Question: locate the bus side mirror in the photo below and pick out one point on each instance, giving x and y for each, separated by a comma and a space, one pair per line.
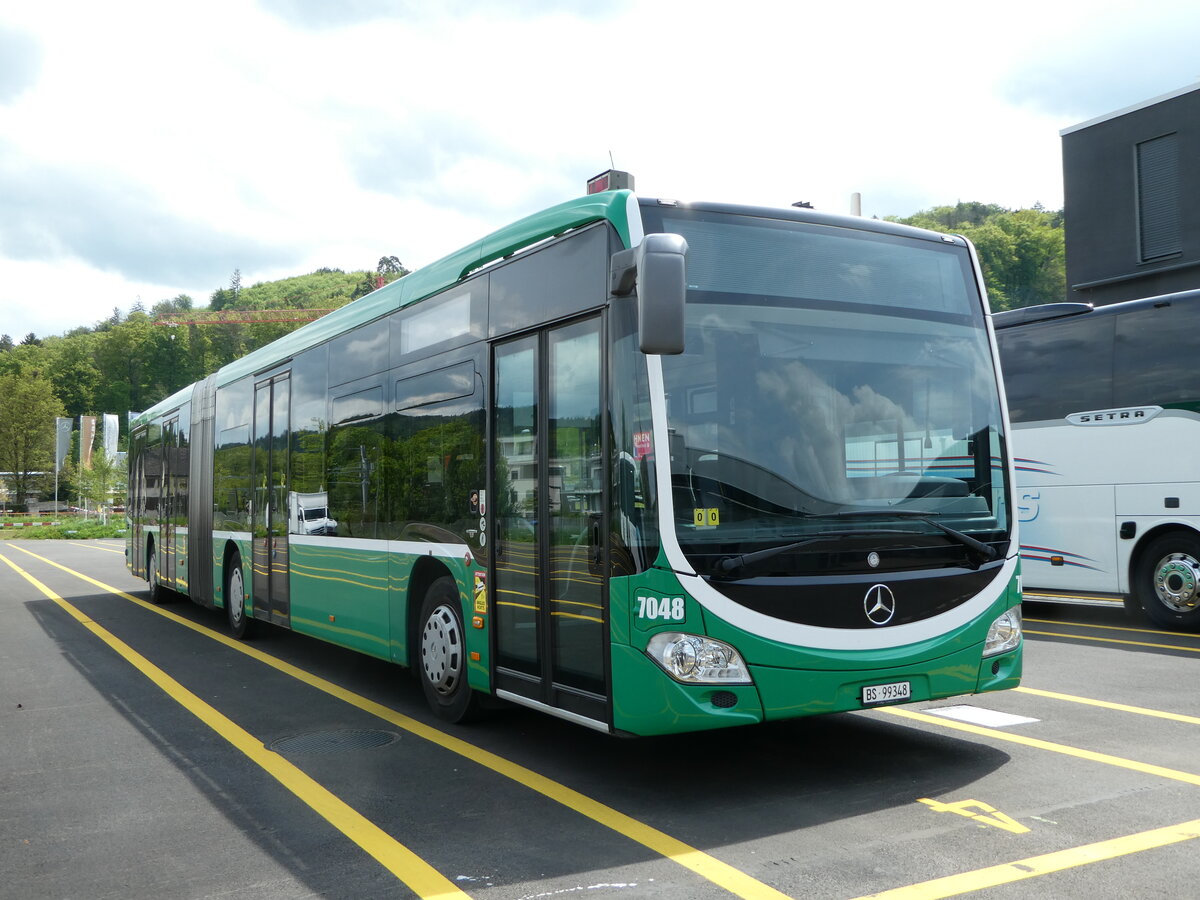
658, 266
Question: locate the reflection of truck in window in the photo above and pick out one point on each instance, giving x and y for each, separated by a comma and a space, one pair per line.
309, 514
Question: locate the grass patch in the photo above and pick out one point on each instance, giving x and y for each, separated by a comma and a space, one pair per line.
68, 529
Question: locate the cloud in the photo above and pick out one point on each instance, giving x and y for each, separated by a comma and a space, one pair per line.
316, 14
440, 159
1115, 57
117, 225
20, 63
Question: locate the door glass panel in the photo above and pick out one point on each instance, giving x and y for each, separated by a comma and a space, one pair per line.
262, 495
516, 547
280, 407
577, 621
170, 506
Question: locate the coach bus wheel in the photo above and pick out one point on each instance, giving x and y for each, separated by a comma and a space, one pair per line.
1167, 580
442, 667
157, 592
235, 598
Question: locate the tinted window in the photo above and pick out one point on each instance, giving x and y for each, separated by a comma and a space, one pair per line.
1156, 356
442, 322
1054, 369
364, 404
309, 420
231, 460
759, 258
356, 464
439, 467
563, 278
362, 352
434, 387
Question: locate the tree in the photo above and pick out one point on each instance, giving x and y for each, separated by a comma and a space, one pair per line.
388, 270
1022, 252
71, 367
97, 483
6, 343
27, 414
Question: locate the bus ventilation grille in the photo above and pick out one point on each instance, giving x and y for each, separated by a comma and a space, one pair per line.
724, 700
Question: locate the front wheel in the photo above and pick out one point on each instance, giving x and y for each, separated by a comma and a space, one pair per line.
442, 667
235, 598
1167, 581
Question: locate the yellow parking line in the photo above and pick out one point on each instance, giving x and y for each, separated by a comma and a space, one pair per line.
1178, 634
424, 880
1045, 864
1037, 743
708, 867
1108, 640
1105, 704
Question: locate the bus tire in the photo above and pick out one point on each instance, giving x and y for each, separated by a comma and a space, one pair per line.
1167, 580
235, 598
158, 593
442, 661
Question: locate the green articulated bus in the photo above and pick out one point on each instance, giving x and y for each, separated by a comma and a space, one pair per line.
646, 465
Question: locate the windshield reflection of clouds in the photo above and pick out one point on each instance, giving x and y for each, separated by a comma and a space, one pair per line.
791, 411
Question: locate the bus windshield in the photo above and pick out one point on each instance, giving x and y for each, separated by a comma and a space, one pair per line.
835, 382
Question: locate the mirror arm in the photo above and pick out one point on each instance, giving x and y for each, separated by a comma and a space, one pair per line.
622, 272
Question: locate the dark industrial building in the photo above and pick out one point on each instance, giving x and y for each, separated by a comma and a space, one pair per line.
1131, 184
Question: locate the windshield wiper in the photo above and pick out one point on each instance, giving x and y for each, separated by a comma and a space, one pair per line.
987, 551
730, 563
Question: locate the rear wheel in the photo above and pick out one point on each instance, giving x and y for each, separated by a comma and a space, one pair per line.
158, 593
1167, 580
235, 598
442, 666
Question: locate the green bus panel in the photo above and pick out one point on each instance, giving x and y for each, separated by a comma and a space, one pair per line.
789, 681
341, 595
647, 701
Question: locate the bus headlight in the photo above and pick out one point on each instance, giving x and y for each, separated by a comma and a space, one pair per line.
1005, 633
697, 660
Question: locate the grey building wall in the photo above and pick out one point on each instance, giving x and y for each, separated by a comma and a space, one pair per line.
1131, 183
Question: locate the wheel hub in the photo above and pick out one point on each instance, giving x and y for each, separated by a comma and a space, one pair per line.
237, 596
441, 650
1175, 581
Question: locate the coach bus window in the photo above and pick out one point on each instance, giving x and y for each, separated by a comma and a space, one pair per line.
1075, 356
1151, 370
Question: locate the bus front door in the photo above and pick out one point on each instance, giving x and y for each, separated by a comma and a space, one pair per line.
272, 407
550, 609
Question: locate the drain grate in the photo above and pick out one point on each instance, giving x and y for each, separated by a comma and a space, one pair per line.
333, 741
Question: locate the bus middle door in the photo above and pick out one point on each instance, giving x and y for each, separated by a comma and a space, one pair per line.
272, 416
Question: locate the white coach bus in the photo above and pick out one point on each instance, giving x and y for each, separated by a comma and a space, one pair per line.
1105, 407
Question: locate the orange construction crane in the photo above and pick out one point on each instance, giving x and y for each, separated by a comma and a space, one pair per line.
240, 316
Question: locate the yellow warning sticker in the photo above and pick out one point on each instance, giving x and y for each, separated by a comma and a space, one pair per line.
481, 593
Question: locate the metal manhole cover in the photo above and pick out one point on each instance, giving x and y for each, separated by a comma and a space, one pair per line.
333, 741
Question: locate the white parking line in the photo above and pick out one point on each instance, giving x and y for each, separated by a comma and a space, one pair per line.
977, 715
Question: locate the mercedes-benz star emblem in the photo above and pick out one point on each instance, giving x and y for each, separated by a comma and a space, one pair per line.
873, 560
880, 604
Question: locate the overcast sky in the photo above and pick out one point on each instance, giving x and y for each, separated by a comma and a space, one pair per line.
149, 149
